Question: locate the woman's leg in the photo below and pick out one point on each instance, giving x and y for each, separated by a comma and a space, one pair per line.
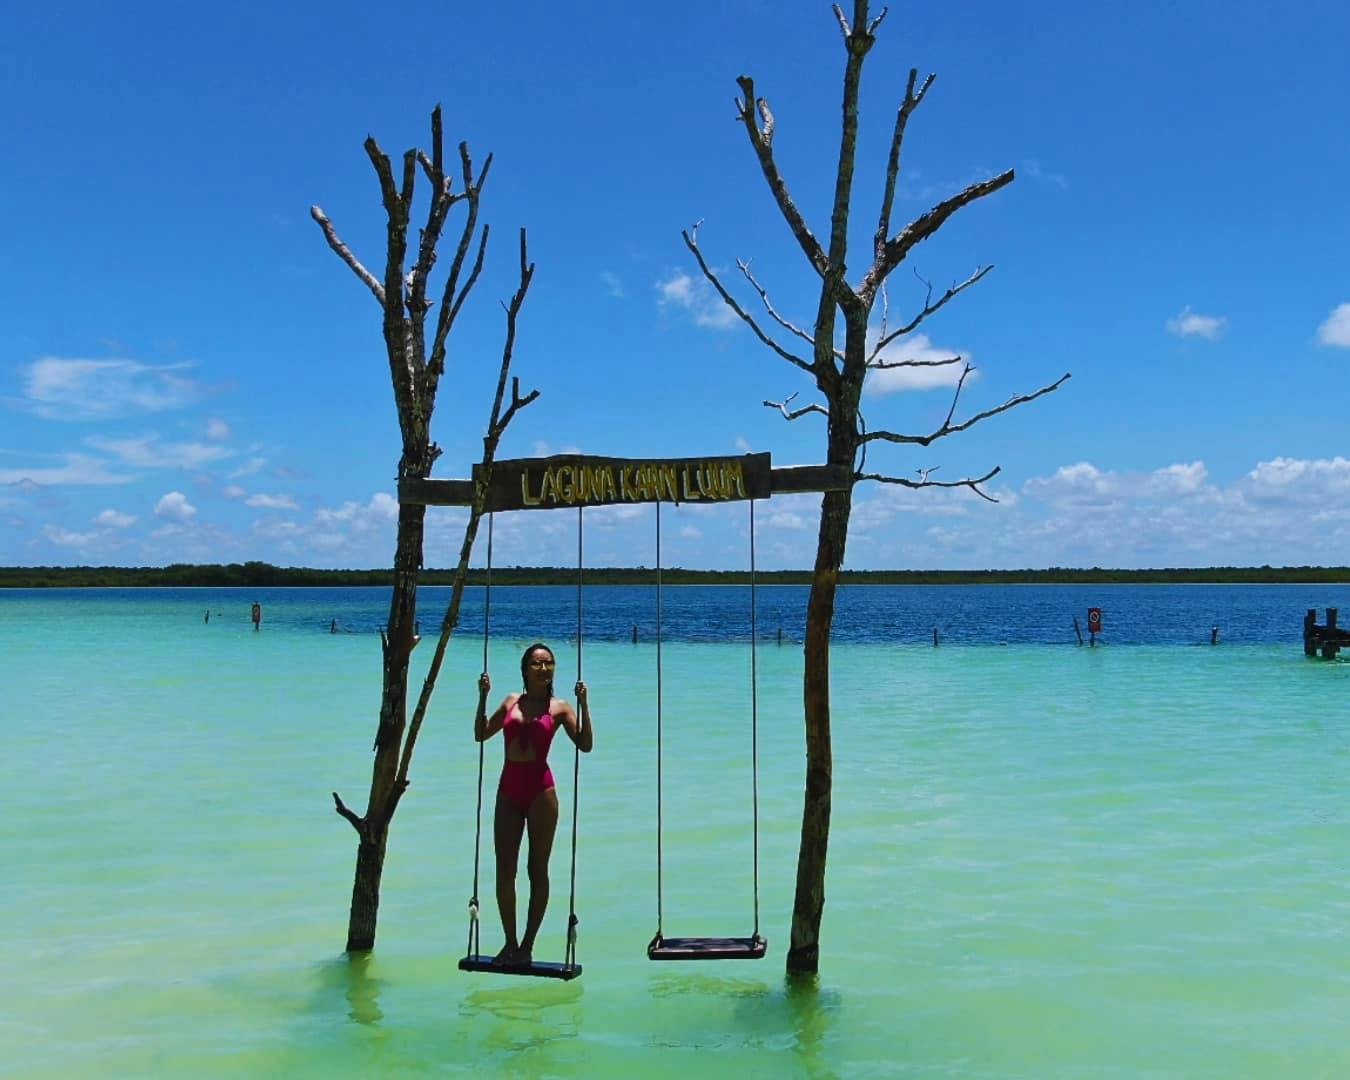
507, 828
543, 823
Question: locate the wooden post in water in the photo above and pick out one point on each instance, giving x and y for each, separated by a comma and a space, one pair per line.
1077, 630
1330, 645
1310, 633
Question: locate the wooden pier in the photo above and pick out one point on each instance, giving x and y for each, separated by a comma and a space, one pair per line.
1329, 638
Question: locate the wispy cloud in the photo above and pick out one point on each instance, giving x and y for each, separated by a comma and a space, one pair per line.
72, 388
248, 468
696, 297
612, 284
75, 469
1336, 330
1034, 170
1192, 324
217, 428
67, 538
147, 452
271, 502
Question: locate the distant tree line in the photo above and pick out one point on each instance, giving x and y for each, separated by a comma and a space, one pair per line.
261, 574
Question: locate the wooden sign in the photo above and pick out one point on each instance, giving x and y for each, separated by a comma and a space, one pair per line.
583, 480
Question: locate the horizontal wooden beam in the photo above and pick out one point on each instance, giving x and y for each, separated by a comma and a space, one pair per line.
790, 479
584, 480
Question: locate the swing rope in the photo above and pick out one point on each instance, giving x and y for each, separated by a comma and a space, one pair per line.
472, 960
659, 823
662, 948
570, 955
478, 813
754, 710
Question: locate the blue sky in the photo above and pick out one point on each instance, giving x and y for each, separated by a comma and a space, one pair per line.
187, 373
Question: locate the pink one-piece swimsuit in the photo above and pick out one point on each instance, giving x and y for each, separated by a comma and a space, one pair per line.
523, 781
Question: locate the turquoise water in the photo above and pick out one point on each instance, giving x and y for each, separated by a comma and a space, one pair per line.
1045, 861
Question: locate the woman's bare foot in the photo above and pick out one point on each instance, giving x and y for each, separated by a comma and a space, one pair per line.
508, 957
524, 957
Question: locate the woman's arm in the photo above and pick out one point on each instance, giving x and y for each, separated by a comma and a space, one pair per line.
579, 726
484, 726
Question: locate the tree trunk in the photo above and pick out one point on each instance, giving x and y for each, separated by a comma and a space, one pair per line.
398, 642
809, 903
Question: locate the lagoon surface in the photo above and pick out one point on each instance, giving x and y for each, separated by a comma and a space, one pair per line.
1046, 861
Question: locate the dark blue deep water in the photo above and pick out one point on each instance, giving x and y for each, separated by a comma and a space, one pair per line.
904, 614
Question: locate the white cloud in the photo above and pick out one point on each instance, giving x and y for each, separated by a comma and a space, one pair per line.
1294, 480
1036, 171
69, 388
1080, 484
914, 347
1192, 324
382, 509
612, 284
115, 520
217, 428
1336, 330
233, 491
698, 298
251, 466
77, 469
147, 452
1180, 479
66, 538
175, 507
271, 502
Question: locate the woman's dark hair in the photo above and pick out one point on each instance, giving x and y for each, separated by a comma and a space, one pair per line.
525, 662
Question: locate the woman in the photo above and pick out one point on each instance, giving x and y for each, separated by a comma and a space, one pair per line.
526, 796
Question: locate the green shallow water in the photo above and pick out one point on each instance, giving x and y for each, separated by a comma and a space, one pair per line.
1045, 862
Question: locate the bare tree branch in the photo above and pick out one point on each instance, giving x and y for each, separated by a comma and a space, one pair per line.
450, 301
949, 428
970, 482
356, 822
921, 228
858, 42
872, 26
405, 195
883, 365
956, 394
497, 423
441, 201
928, 309
691, 242
910, 103
762, 143
764, 297
782, 407
345, 253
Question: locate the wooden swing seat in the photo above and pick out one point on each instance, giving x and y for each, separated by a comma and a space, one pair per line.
542, 969
707, 948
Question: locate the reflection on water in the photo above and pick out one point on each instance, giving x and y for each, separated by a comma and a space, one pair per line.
792, 1019
527, 1014
352, 975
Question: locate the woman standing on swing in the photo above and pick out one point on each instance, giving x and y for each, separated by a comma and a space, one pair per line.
526, 795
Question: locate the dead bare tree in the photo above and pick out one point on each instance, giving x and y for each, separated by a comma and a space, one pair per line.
416, 371
839, 375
